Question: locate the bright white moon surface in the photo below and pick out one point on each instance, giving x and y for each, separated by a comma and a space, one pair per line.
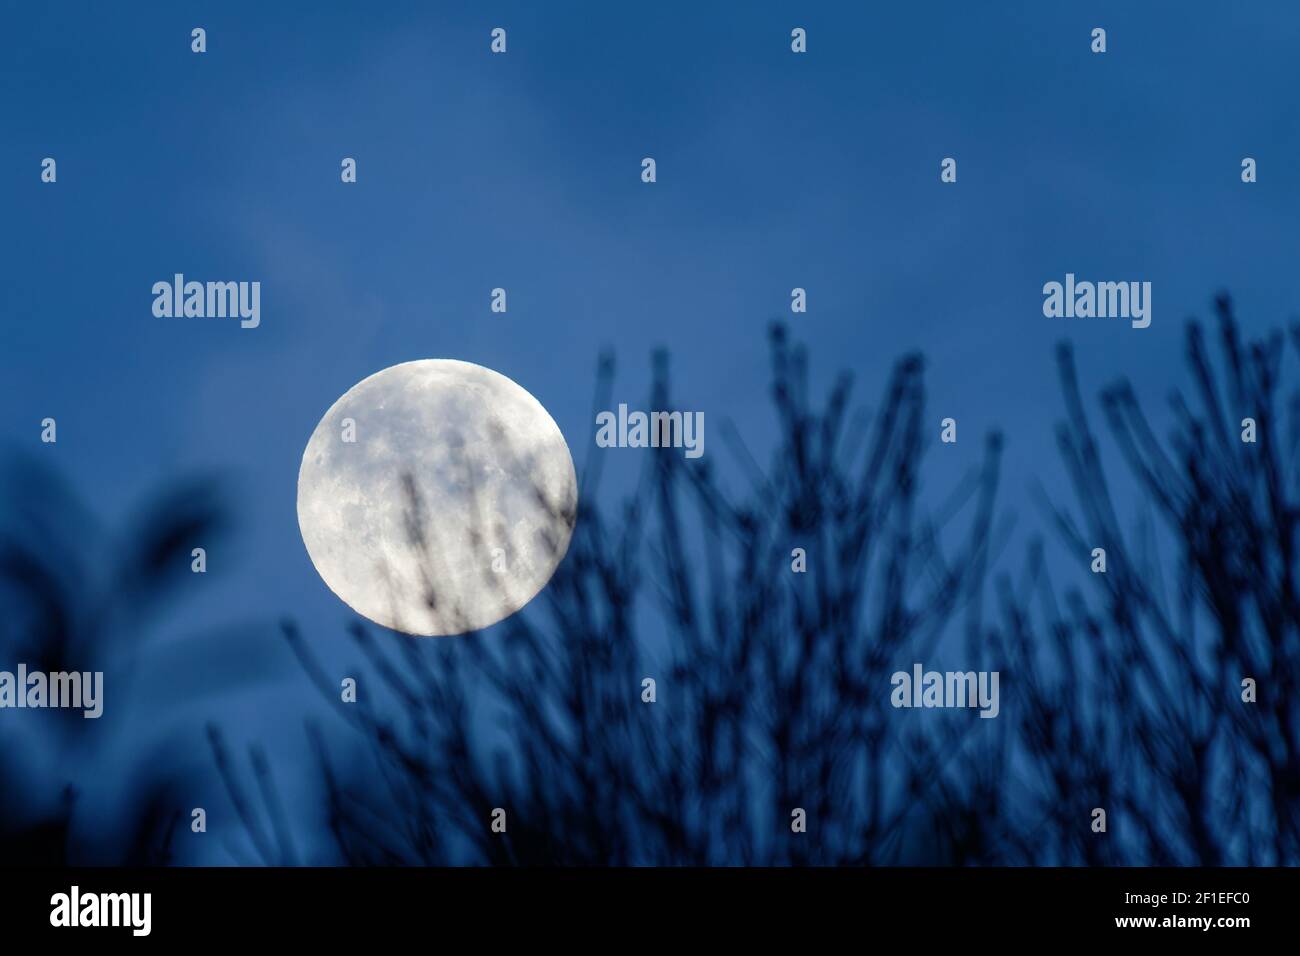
436, 497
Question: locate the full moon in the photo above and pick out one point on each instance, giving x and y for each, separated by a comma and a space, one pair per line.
436, 497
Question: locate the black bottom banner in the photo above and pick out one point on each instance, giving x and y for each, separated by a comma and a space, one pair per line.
541, 905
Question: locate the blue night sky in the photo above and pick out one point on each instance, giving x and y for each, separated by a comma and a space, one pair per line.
523, 171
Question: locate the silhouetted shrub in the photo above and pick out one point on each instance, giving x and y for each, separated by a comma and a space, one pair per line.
1122, 693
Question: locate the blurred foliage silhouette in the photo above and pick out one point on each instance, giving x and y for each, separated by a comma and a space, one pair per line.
1131, 692
772, 687
1120, 690
1123, 692
79, 597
